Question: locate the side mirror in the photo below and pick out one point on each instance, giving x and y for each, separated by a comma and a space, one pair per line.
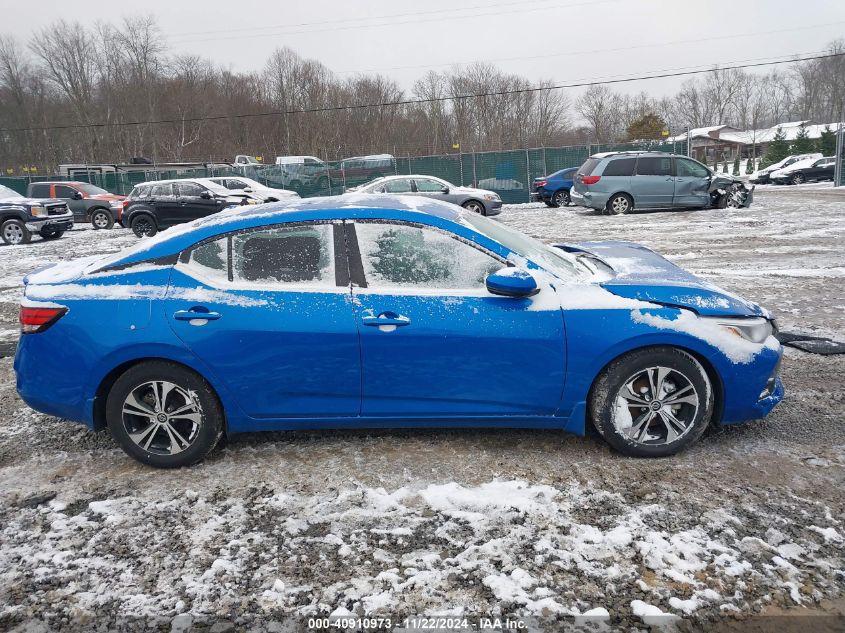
511, 282
206, 195
445, 190
77, 195
248, 189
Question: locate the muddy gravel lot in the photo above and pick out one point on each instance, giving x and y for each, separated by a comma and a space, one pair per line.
278, 527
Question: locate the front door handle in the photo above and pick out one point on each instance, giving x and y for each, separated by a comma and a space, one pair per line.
196, 314
386, 318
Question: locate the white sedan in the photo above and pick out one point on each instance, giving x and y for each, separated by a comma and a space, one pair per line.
248, 185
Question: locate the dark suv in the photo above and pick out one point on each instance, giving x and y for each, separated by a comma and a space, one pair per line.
152, 206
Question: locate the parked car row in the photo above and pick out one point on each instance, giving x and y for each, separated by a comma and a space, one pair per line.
807, 170
763, 176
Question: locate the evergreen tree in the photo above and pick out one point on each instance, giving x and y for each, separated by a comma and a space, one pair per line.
803, 144
778, 149
827, 142
736, 165
749, 166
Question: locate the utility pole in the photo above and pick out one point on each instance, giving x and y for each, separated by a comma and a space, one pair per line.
840, 141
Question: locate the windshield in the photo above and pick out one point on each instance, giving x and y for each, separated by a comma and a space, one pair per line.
91, 190
5, 192
558, 262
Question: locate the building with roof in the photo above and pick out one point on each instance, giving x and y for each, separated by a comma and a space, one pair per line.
724, 143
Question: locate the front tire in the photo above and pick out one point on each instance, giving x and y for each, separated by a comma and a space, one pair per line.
48, 234
619, 204
142, 225
102, 219
652, 402
797, 179
15, 232
475, 206
164, 415
561, 198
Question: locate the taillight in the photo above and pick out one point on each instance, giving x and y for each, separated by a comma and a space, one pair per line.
589, 180
34, 320
123, 208
541, 183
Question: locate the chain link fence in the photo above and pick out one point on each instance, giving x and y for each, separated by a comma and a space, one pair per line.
508, 173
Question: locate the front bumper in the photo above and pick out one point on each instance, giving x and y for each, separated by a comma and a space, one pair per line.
60, 222
493, 207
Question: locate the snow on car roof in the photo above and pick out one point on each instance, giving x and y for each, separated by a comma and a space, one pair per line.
178, 238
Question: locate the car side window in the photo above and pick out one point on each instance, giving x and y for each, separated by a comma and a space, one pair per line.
232, 183
686, 167
270, 258
654, 166
189, 189
404, 256
620, 167
63, 191
161, 191
402, 185
40, 191
425, 185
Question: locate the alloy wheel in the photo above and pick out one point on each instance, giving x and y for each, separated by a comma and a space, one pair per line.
100, 220
161, 417
13, 234
619, 205
656, 406
474, 207
561, 198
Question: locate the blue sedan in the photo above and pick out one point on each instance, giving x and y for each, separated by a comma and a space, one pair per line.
377, 311
554, 189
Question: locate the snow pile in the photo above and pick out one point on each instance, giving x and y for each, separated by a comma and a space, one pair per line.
501, 547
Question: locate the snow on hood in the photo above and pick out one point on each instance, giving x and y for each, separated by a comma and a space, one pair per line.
639, 273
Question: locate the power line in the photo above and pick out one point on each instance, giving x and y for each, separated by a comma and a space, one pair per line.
589, 52
375, 24
419, 101
449, 12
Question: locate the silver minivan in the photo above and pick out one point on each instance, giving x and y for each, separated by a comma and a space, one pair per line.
618, 182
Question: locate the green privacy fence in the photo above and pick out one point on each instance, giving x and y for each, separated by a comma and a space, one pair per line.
508, 173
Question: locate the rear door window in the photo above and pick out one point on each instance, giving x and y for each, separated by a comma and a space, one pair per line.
654, 166
620, 167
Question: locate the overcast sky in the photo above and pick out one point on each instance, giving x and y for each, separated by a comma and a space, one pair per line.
564, 40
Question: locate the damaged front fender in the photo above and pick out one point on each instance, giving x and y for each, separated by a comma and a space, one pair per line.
726, 192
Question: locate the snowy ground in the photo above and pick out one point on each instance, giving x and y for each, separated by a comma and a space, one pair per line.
522, 523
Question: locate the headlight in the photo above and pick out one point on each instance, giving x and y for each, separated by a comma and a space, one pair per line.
756, 329
38, 212
491, 196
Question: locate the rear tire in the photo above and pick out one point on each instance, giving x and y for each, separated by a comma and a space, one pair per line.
797, 179
561, 198
140, 412
143, 224
102, 219
619, 204
15, 232
652, 402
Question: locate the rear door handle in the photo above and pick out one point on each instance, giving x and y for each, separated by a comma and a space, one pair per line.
386, 318
196, 314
